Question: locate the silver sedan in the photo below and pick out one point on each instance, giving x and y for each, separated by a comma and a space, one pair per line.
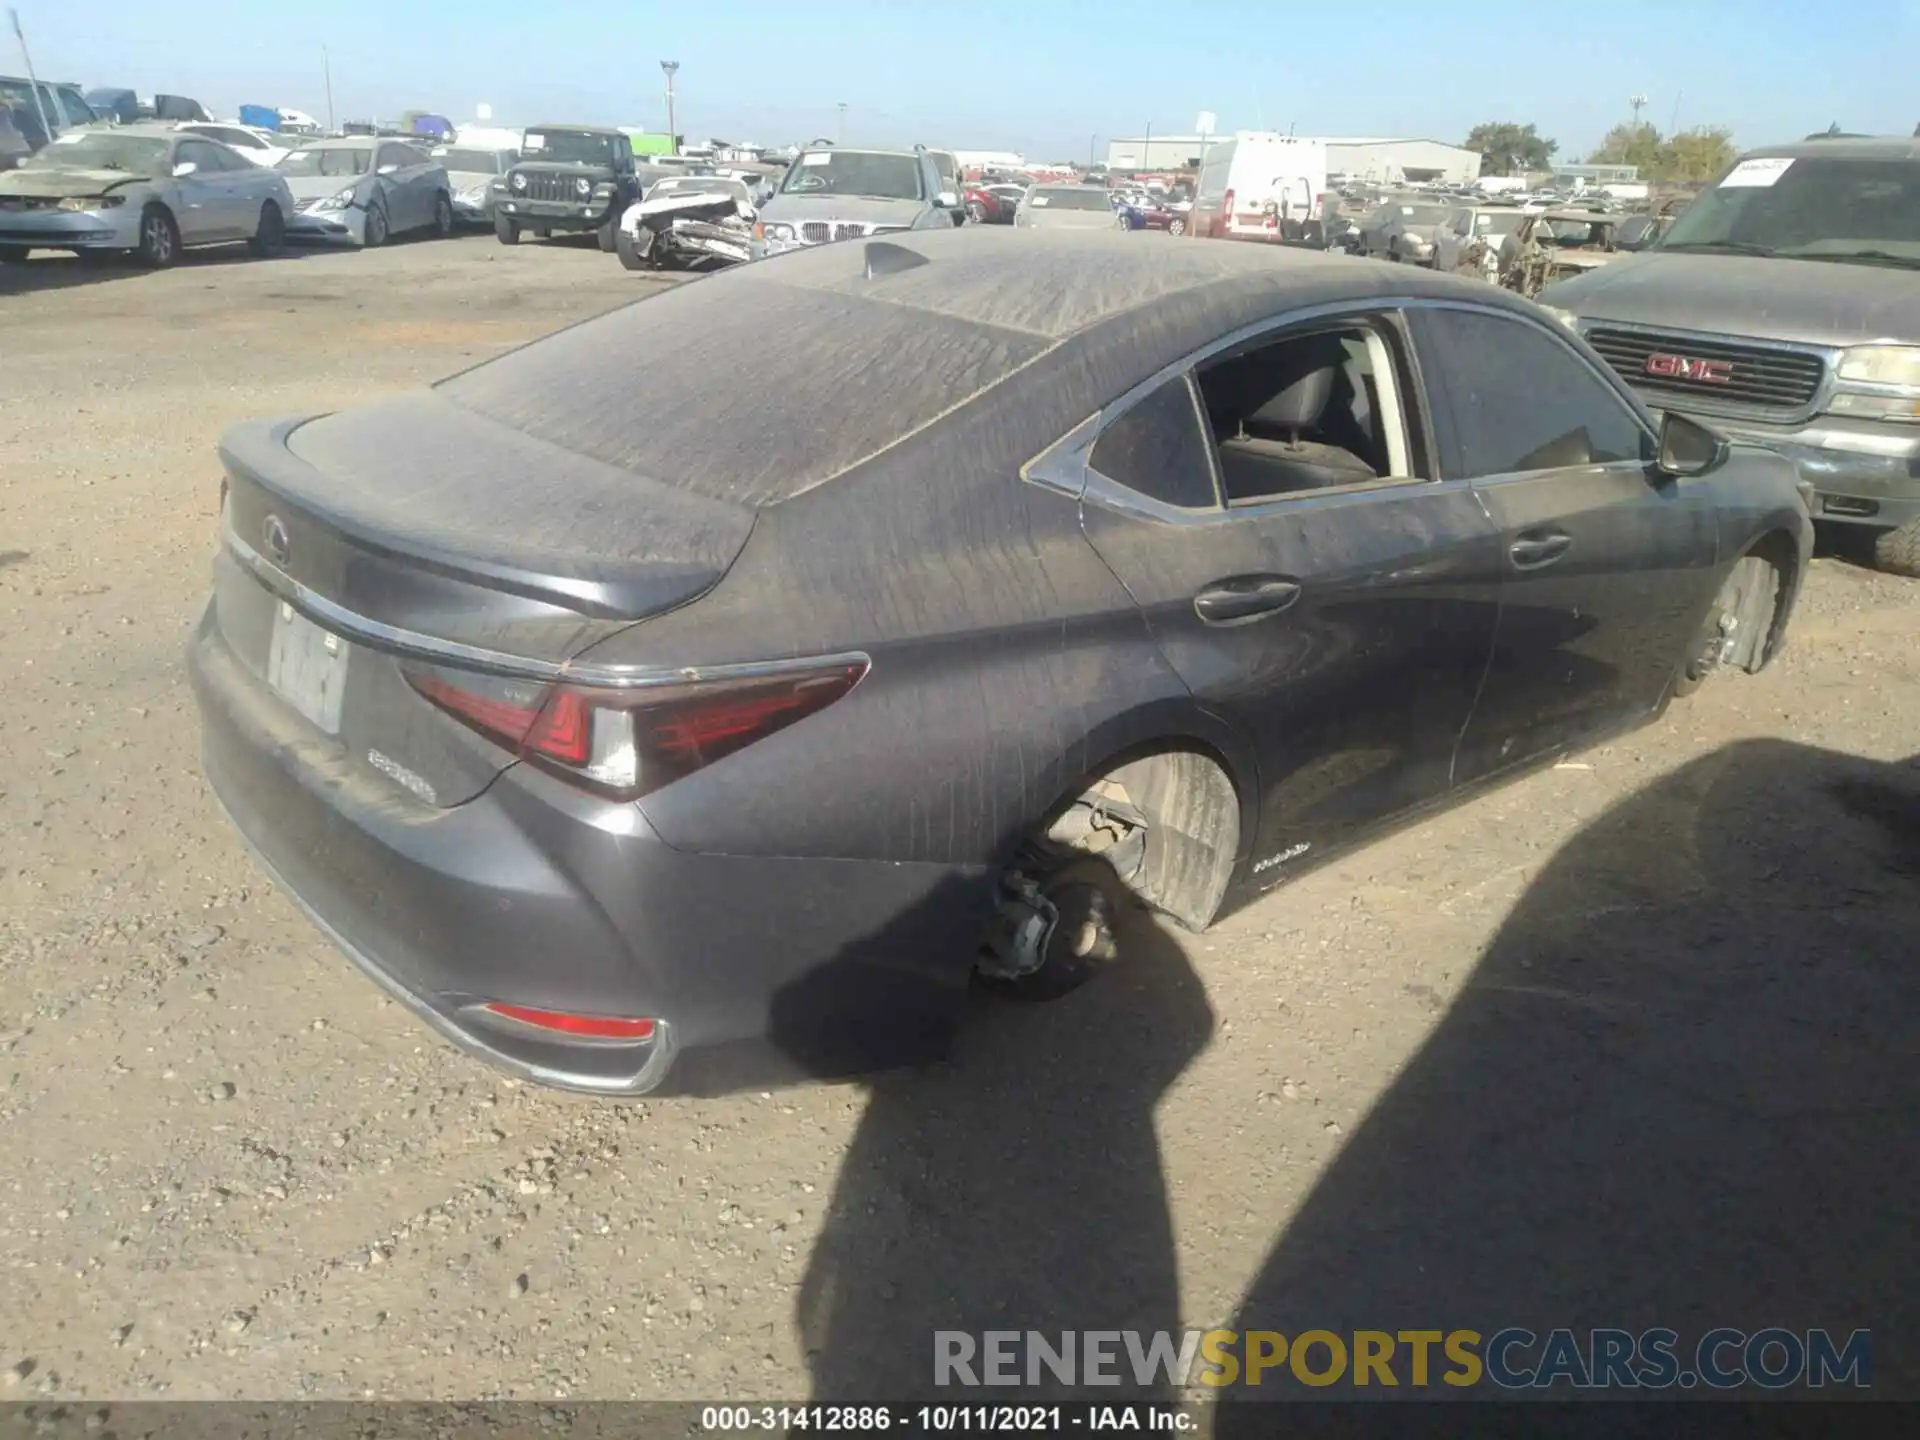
362, 189
147, 190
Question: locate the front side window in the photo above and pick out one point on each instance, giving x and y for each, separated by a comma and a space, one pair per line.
1508, 398
1157, 449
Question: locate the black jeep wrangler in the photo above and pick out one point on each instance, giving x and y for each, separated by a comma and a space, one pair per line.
570, 177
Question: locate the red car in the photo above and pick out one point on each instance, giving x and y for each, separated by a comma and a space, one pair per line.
984, 207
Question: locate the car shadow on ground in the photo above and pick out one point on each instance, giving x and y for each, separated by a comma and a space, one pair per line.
1016, 1186
1679, 1090
46, 270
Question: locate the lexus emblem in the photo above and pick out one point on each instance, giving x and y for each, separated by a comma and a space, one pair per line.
1682, 367
274, 533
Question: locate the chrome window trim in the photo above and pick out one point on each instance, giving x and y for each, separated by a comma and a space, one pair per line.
1063, 466
397, 640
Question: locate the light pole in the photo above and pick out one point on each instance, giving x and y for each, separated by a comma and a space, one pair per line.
1146, 149
840, 125
33, 81
1093, 151
670, 68
1639, 103
326, 63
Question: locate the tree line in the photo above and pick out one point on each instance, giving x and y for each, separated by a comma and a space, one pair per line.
1696, 154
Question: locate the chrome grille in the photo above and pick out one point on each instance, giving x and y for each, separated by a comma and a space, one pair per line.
1759, 377
819, 232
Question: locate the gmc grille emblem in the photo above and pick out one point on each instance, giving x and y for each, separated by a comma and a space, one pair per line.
1682, 367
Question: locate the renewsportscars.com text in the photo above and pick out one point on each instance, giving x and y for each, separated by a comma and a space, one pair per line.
1512, 1359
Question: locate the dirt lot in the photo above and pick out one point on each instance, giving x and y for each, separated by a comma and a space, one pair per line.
1628, 1042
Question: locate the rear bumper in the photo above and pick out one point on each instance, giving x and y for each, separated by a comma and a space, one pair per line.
1861, 474
534, 894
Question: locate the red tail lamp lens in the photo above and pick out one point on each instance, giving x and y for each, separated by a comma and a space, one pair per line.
593, 1027
627, 742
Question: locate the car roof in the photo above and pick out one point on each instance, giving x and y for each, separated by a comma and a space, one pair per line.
1848, 147
581, 129
348, 142
925, 322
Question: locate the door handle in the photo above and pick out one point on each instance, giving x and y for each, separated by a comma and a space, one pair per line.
1532, 551
1244, 597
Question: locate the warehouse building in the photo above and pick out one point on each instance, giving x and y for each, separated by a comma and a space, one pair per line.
1384, 161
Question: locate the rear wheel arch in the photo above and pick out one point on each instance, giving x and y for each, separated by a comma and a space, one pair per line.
1199, 819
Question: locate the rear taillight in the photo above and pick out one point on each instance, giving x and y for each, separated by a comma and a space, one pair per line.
627, 742
587, 1027
1226, 205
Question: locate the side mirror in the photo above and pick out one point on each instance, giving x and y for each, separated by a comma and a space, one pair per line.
947, 200
184, 169
1688, 448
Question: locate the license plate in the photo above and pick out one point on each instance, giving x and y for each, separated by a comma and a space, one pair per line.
307, 667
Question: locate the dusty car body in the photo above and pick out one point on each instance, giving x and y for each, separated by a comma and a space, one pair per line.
832, 193
576, 179
641, 724
143, 190
1468, 241
363, 189
474, 174
1783, 305
1069, 207
1400, 230
688, 220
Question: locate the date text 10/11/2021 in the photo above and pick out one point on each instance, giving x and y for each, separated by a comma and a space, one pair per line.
945, 1419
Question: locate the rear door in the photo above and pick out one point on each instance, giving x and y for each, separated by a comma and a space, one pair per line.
1343, 631
1607, 563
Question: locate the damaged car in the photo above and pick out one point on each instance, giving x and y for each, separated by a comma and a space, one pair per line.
685, 221
474, 177
362, 190
647, 725
1556, 244
142, 190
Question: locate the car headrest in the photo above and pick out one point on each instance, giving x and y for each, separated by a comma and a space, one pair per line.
1300, 405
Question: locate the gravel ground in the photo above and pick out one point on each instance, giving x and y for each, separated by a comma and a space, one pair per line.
1630, 1041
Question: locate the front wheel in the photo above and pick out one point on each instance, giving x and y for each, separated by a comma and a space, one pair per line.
607, 235
159, 238
506, 231
976, 212
1744, 607
631, 258
374, 235
1898, 551
270, 236
1177, 227
1074, 921
442, 216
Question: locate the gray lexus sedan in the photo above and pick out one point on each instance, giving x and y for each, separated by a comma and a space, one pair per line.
689, 725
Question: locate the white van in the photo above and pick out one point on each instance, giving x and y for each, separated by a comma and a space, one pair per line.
1260, 185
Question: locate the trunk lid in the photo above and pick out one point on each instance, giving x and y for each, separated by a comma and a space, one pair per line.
418, 527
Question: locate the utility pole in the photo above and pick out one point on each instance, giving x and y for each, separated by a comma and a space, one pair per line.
1639, 103
670, 68
1146, 150
1093, 151
840, 124
33, 81
1673, 123
326, 61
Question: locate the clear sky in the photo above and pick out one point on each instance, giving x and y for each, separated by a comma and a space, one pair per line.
1043, 77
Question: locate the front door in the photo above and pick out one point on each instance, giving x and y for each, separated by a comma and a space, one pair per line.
1607, 562
206, 201
1312, 588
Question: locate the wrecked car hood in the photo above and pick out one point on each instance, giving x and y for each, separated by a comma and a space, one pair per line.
58, 181
1813, 302
858, 209
693, 205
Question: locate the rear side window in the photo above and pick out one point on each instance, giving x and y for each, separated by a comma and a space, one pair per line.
1509, 398
1158, 450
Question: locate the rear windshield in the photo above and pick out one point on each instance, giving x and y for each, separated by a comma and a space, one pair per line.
1809, 207
1062, 198
721, 387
